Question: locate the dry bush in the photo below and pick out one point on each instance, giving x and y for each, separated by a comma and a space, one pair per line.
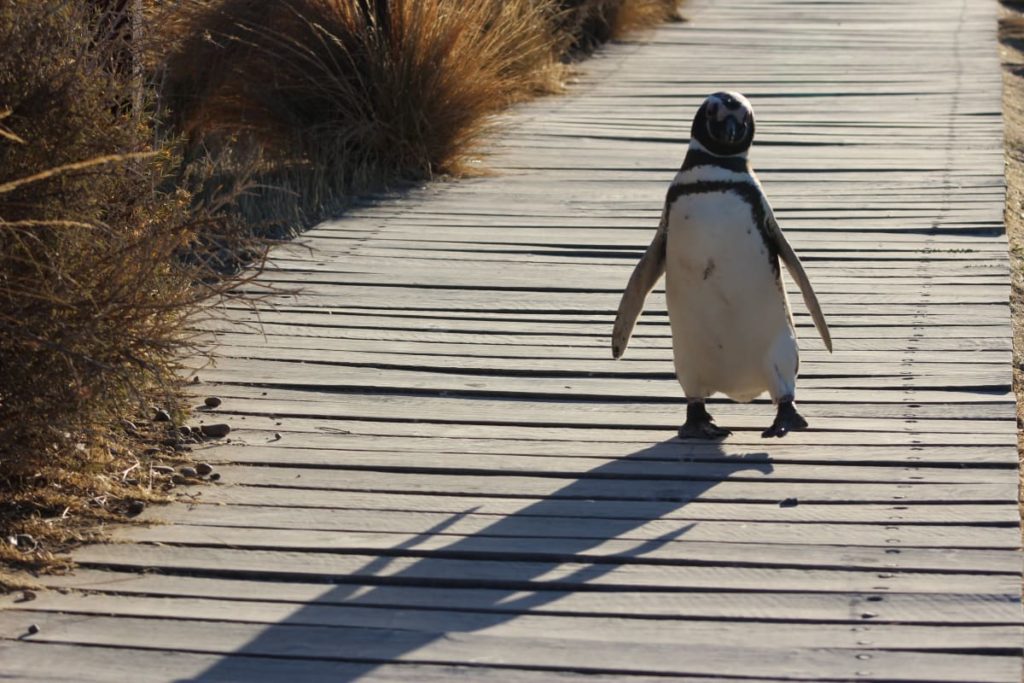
332, 97
587, 24
339, 95
94, 292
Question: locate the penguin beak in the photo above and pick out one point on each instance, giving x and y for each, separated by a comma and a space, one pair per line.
733, 130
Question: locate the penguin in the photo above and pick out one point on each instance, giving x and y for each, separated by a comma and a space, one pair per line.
719, 246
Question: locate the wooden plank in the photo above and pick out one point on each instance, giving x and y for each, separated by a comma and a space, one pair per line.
897, 512
669, 464
586, 358
553, 654
323, 375
590, 610
327, 447
552, 574
893, 417
540, 525
63, 662
820, 620
728, 485
672, 548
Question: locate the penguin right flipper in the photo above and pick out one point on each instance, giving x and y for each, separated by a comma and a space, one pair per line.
796, 270
646, 274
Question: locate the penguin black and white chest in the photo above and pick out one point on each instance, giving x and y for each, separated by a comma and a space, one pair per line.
719, 246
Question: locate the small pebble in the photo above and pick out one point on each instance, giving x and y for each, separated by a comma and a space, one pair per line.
216, 431
129, 426
277, 436
195, 380
789, 503
188, 472
33, 629
204, 468
131, 482
27, 596
162, 469
212, 401
162, 416
185, 430
177, 479
215, 476
135, 507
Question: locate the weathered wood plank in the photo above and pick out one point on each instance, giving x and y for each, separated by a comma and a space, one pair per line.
506, 574
551, 526
552, 654
99, 664
677, 463
672, 548
896, 513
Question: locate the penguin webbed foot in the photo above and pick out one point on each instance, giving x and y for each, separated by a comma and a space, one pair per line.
700, 425
786, 420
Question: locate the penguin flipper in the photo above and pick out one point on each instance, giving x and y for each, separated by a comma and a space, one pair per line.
641, 282
796, 270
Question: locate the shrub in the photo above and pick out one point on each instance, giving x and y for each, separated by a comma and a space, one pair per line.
339, 95
93, 293
588, 23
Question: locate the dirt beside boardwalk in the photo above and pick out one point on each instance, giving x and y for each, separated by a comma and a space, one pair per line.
1012, 52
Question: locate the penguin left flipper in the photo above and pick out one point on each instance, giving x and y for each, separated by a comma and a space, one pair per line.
646, 274
796, 270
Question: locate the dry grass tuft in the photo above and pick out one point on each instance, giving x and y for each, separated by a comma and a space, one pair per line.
588, 23
339, 96
333, 97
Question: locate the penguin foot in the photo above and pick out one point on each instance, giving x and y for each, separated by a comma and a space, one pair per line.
700, 425
786, 420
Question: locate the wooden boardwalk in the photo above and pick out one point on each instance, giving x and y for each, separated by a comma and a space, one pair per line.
437, 472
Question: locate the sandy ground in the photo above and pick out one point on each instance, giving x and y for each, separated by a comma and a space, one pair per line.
1012, 48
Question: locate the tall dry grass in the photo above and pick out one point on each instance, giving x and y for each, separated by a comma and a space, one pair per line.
338, 96
586, 24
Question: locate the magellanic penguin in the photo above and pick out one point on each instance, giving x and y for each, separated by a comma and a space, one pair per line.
719, 246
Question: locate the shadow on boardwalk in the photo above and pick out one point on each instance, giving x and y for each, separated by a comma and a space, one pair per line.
513, 584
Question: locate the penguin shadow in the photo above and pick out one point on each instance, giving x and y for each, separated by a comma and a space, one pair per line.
527, 561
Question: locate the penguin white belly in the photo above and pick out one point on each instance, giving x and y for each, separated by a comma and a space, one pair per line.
731, 326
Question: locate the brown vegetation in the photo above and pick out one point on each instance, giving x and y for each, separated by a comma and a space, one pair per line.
337, 96
1012, 38
94, 291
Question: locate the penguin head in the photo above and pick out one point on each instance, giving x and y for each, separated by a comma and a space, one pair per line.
724, 124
